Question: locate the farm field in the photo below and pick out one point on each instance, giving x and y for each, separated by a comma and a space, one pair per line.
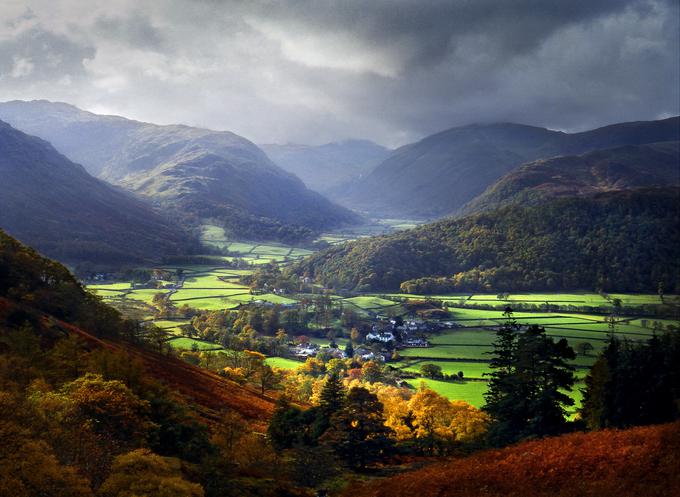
471, 392
465, 348
283, 363
184, 343
573, 316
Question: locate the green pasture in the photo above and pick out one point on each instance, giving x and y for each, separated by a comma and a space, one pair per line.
372, 303
188, 343
471, 392
470, 369
283, 363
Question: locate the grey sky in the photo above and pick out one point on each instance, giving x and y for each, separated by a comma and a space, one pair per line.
316, 71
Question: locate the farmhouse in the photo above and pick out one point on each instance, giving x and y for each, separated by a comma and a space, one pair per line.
380, 336
304, 350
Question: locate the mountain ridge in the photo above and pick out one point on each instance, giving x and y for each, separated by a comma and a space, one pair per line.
440, 173
129, 152
55, 205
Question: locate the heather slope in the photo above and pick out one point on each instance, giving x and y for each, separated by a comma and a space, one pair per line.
627, 463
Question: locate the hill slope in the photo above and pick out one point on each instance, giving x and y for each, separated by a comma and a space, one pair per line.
619, 168
39, 291
55, 205
195, 173
638, 461
439, 174
326, 167
625, 241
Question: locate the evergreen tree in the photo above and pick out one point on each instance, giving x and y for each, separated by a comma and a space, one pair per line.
358, 433
530, 372
634, 383
331, 401
349, 349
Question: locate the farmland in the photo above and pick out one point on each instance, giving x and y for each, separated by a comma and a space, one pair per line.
580, 318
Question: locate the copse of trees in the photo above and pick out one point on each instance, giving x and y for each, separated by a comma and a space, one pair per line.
529, 376
634, 383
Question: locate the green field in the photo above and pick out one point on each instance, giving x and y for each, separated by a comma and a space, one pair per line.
283, 363
471, 392
185, 343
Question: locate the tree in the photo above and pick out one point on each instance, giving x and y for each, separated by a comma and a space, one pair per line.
332, 396
584, 348
371, 371
141, 473
526, 391
431, 371
634, 383
349, 349
358, 433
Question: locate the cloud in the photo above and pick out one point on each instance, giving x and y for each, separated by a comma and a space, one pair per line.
315, 71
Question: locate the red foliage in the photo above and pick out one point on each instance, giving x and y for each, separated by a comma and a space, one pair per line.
628, 463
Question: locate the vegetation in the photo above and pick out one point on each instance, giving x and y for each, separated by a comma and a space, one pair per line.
628, 463
622, 241
526, 389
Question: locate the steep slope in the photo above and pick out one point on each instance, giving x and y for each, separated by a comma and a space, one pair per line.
627, 463
619, 168
326, 167
42, 292
439, 174
194, 173
56, 206
625, 241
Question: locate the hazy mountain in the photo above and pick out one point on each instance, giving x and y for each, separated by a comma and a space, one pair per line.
439, 174
625, 241
195, 173
326, 167
620, 168
54, 205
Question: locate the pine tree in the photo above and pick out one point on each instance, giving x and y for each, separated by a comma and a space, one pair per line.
358, 433
526, 391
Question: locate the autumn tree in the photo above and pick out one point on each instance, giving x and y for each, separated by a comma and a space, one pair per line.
141, 473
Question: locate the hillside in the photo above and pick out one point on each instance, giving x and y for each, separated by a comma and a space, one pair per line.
619, 168
191, 172
55, 205
41, 292
624, 241
442, 172
326, 167
628, 463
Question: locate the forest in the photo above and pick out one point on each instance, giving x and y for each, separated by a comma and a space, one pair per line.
617, 241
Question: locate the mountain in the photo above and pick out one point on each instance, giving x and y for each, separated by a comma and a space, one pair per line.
621, 168
326, 167
616, 241
55, 205
193, 173
438, 175
625, 463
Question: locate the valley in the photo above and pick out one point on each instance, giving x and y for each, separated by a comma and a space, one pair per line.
459, 338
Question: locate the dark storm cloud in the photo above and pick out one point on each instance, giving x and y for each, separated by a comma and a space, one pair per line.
38, 54
313, 71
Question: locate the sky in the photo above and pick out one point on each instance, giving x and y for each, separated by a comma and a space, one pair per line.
293, 71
